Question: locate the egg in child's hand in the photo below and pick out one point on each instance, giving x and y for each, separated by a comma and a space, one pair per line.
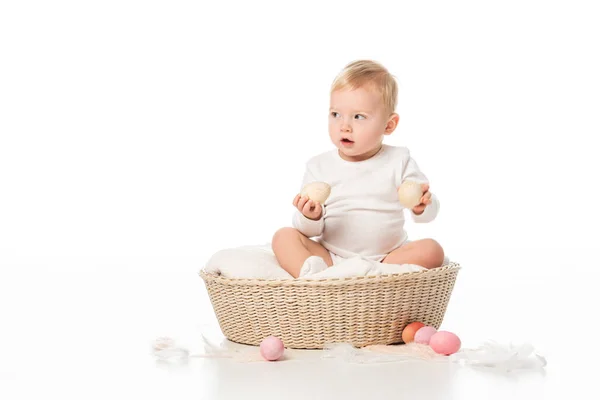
316, 191
408, 334
423, 335
271, 348
410, 193
444, 342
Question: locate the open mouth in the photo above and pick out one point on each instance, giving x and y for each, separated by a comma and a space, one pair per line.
347, 141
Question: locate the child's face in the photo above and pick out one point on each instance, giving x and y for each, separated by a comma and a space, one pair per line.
358, 121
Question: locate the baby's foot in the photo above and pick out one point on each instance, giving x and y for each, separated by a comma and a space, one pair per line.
312, 265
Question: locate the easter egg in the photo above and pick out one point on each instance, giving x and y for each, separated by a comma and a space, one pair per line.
410, 193
444, 342
424, 334
316, 191
271, 348
408, 334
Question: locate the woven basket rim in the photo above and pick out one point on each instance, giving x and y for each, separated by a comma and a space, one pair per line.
449, 267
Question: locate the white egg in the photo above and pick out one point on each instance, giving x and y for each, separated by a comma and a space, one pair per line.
316, 191
410, 193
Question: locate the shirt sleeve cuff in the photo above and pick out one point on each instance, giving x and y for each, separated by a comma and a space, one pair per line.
307, 226
429, 213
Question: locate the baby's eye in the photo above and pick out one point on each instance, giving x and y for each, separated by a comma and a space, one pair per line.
334, 114
359, 115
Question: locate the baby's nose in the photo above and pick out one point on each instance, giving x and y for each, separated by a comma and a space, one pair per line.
346, 127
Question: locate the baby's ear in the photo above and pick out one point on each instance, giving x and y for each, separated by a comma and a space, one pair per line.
392, 123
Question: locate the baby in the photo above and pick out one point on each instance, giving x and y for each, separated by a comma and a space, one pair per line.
362, 216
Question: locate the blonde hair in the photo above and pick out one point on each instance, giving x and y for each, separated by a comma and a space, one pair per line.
363, 73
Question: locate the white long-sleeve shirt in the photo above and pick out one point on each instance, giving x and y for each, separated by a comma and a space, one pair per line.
363, 216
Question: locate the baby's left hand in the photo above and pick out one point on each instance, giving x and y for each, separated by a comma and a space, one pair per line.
425, 200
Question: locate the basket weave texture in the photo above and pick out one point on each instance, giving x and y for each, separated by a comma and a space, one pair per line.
308, 314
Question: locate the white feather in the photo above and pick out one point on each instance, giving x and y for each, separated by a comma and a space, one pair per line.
505, 357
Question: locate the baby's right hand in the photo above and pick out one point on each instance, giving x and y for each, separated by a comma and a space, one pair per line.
309, 208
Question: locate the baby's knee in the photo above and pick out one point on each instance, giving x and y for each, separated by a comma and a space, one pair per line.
284, 235
435, 251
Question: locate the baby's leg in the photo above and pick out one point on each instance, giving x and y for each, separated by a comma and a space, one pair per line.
426, 252
292, 248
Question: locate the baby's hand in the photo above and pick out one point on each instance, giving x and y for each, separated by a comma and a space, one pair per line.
309, 208
425, 200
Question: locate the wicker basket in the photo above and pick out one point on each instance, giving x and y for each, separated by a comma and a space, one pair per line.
307, 314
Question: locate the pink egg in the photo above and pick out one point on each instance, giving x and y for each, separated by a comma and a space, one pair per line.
271, 348
424, 334
444, 342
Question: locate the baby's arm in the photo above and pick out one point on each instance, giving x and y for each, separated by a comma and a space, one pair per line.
411, 172
307, 226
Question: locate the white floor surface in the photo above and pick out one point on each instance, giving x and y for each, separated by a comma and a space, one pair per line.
81, 329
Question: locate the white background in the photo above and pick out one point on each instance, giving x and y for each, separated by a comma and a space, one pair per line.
139, 137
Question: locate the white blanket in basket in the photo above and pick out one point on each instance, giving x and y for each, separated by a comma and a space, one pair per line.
260, 262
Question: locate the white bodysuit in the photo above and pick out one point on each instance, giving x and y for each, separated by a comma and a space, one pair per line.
363, 216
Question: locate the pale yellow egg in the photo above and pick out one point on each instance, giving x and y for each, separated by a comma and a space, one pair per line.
410, 193
317, 191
